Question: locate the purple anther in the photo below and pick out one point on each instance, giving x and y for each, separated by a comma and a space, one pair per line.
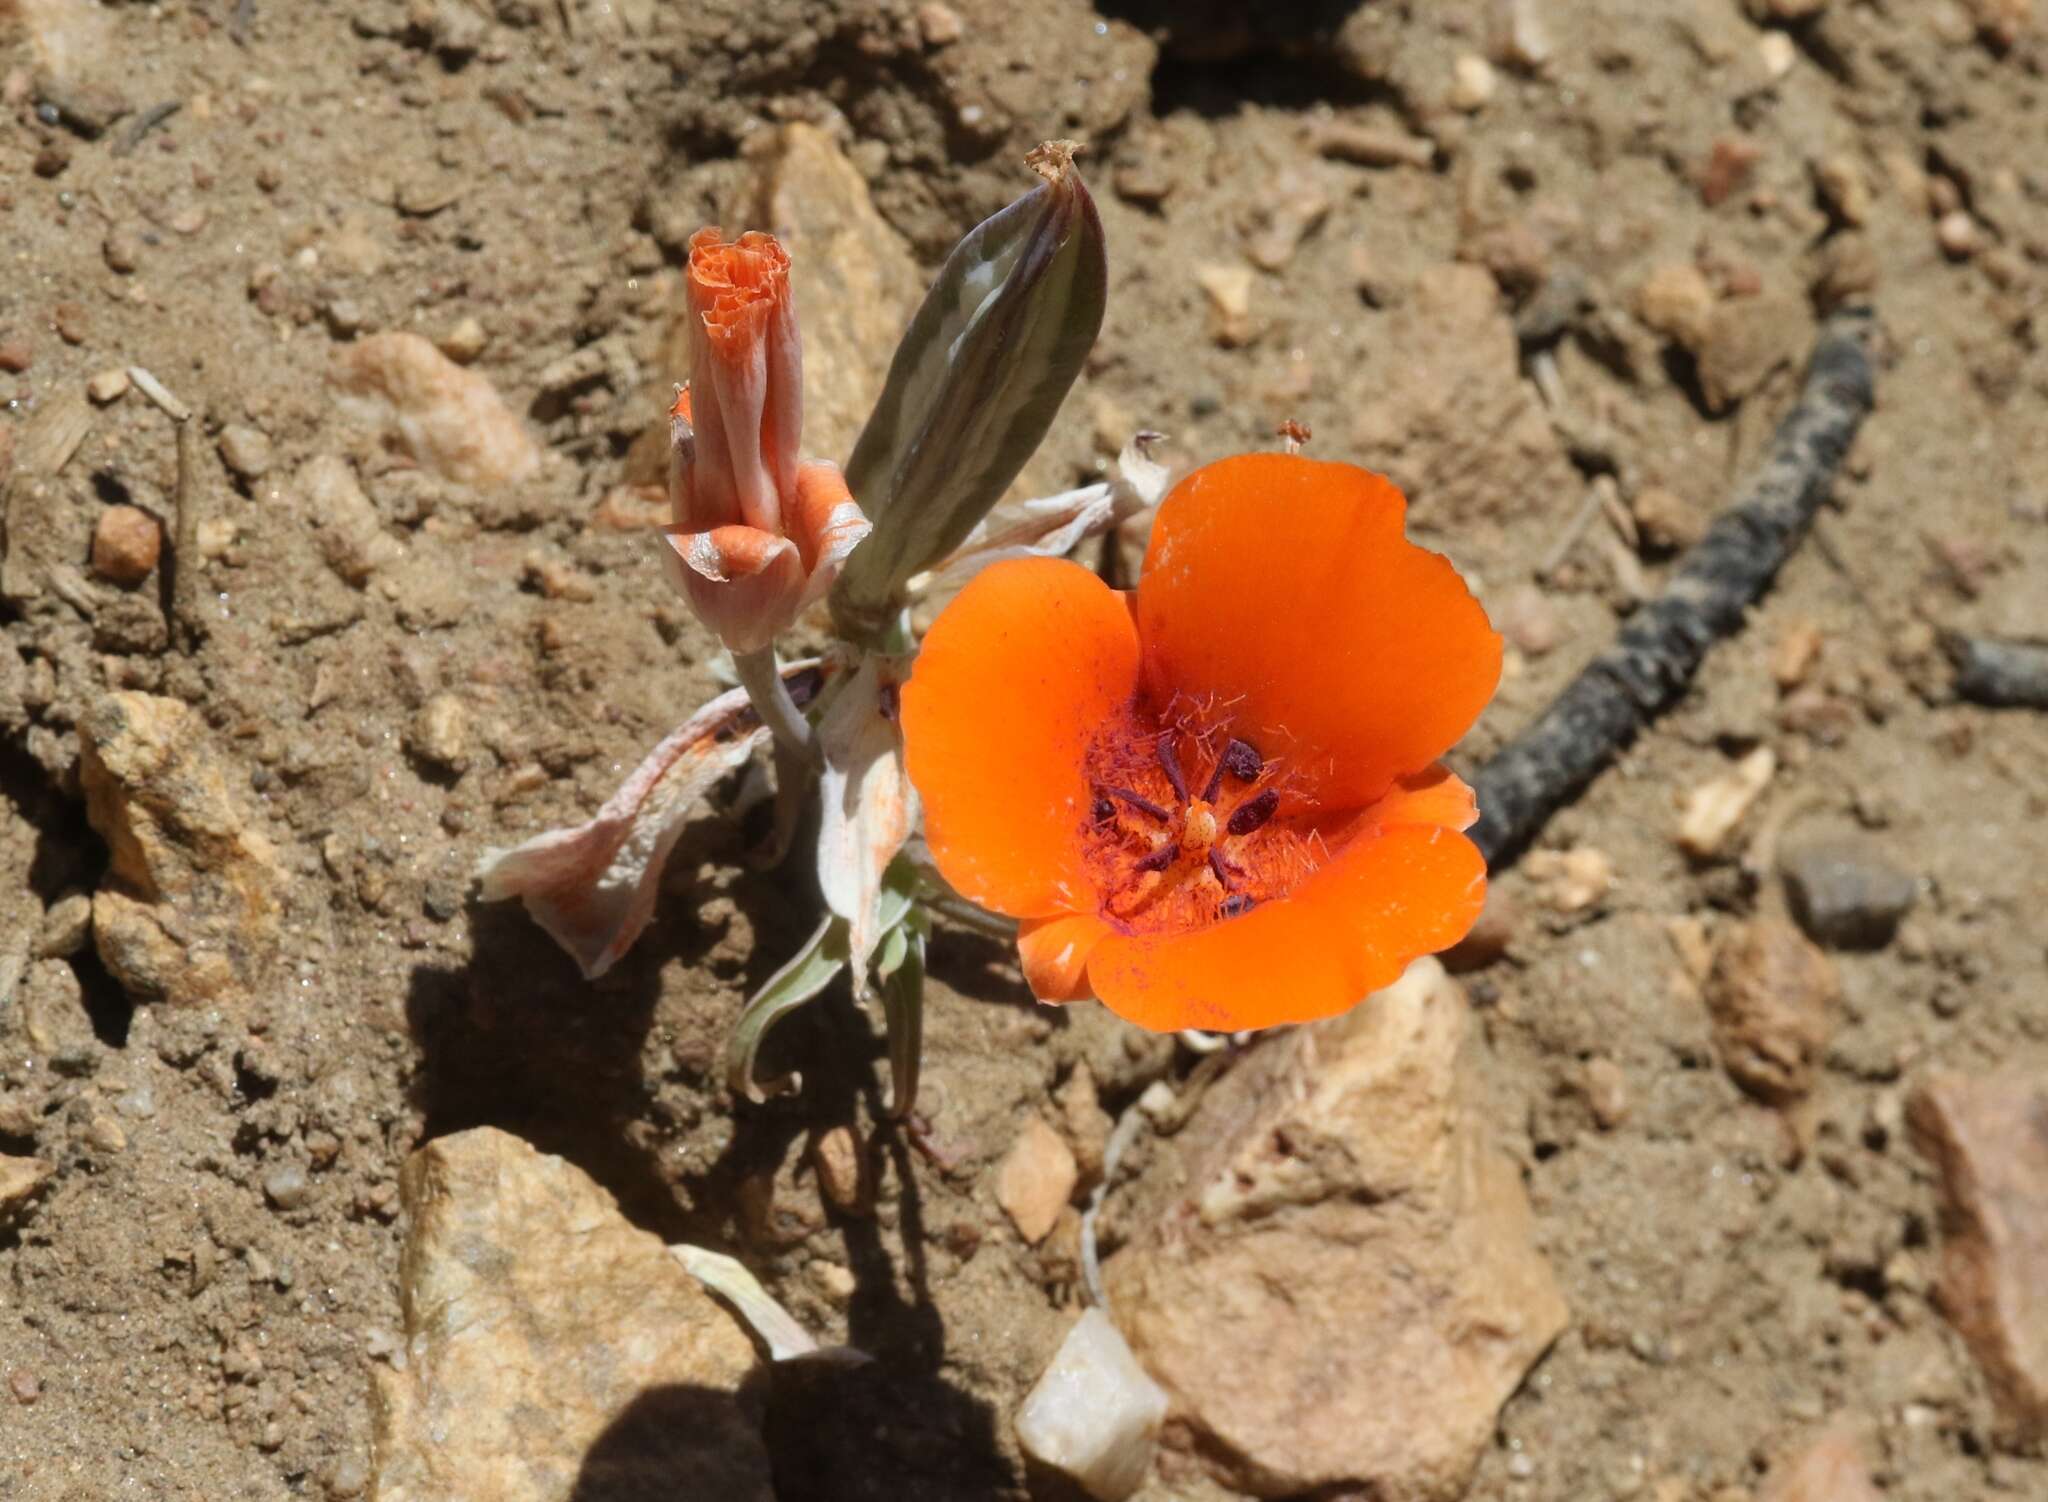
1141, 803
1241, 760
1236, 905
1170, 763
1251, 815
1159, 859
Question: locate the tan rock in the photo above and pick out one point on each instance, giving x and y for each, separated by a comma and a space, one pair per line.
853, 276
1774, 999
20, 1178
552, 1349
1035, 1179
1086, 1124
1229, 290
1748, 339
844, 1177
188, 911
1570, 881
126, 543
345, 522
1830, 1470
1666, 521
1678, 302
1988, 1138
1715, 807
1332, 1274
450, 419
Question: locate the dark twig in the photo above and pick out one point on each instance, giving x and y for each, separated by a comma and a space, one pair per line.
2009, 674
1661, 647
143, 124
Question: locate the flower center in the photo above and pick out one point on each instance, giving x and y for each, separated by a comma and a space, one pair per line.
1190, 825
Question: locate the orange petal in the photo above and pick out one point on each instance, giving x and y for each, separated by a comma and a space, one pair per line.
1350, 929
1011, 683
1055, 952
1434, 796
744, 584
1284, 587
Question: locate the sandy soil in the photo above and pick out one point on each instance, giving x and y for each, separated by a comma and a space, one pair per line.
179, 1319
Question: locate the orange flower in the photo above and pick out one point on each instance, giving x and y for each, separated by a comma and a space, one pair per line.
1214, 803
758, 536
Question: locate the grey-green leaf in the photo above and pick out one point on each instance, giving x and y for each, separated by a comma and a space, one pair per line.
975, 383
809, 972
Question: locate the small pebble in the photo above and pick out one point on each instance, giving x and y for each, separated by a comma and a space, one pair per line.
105, 1133
246, 450
1606, 1091
1844, 892
286, 1186
15, 356
841, 1166
1678, 302
24, 1385
439, 734
69, 320
1957, 233
1229, 290
66, 926
1472, 83
939, 25
1716, 806
122, 249
126, 542
1666, 521
108, 386
465, 341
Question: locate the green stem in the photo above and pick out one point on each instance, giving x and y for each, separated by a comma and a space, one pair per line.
762, 679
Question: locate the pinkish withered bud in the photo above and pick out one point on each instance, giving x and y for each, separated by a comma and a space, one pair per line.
758, 534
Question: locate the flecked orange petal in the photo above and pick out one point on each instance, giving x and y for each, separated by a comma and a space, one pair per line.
1386, 899
1055, 953
1012, 681
1283, 586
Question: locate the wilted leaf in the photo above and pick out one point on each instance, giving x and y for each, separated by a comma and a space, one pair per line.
869, 806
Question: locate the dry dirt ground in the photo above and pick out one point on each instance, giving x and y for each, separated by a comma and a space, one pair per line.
192, 1306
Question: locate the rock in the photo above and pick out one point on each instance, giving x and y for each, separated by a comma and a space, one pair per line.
107, 386
939, 25
1844, 892
439, 733
467, 340
126, 543
1229, 290
53, 1020
188, 910
1289, 210
246, 450
20, 1180
1987, 1136
345, 523
1831, 1470
842, 1169
1849, 271
1795, 654
552, 1350
1094, 1415
1331, 1271
853, 276
1678, 302
287, 1187
1606, 1090
1747, 339
1035, 1179
1716, 806
1348, 141
1773, 998
1666, 521
122, 248
449, 419
1843, 189
66, 926
1956, 233
1727, 168
1570, 881
1521, 35
1087, 1126
1526, 617
1472, 83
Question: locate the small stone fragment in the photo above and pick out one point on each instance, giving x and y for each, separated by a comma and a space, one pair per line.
1369, 147
1795, 654
107, 386
842, 1168
439, 734
1087, 1125
246, 450
1727, 168
126, 542
104, 1134
1849, 271
1715, 807
1678, 302
1472, 83
1844, 190
1831, 1470
1521, 35
1777, 53
1035, 1179
1773, 997
465, 341
122, 249
67, 924
1606, 1092
1229, 289
1094, 1415
20, 1178
50, 1007
1987, 1136
15, 356
70, 322
1666, 521
346, 524
1845, 893
450, 419
1957, 234
1289, 212
287, 1187
1570, 881
1747, 339
1526, 617
939, 25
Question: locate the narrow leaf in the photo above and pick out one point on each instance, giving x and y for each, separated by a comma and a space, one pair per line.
974, 385
903, 1007
807, 973
731, 1280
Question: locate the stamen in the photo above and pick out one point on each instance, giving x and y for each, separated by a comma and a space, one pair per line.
1171, 765
1159, 859
1241, 760
1104, 811
1223, 869
1252, 815
1141, 803
1236, 905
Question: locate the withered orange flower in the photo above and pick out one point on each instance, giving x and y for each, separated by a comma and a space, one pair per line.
1214, 803
758, 535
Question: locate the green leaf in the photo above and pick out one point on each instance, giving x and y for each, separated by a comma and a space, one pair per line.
981, 371
903, 1007
809, 972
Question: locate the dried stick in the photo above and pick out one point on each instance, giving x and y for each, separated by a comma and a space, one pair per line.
2010, 674
1661, 647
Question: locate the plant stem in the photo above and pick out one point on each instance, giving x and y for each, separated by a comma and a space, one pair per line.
762, 679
